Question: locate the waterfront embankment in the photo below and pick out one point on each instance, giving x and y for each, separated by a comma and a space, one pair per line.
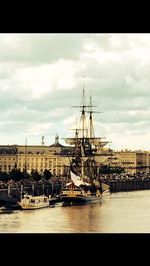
127, 182
12, 191
129, 185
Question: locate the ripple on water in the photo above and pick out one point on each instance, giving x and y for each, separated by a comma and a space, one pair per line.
121, 212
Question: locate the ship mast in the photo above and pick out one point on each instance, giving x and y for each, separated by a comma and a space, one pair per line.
89, 138
86, 145
83, 117
83, 106
91, 129
76, 137
92, 135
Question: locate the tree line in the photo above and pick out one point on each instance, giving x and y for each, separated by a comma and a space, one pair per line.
17, 175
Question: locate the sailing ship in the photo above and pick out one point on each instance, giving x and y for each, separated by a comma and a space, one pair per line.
79, 191
84, 186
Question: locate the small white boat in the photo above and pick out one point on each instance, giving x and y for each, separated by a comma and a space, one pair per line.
2, 208
30, 202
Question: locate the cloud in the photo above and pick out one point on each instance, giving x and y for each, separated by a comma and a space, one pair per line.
41, 77
39, 48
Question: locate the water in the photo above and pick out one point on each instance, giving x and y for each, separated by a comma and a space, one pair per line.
121, 212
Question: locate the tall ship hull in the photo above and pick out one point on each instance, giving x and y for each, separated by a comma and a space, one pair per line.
81, 193
81, 199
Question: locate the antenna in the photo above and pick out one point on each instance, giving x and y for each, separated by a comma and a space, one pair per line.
42, 142
26, 155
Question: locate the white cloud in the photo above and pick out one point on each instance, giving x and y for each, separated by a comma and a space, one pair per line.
33, 82
38, 129
132, 142
41, 77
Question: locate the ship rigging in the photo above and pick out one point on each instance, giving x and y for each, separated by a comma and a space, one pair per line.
88, 151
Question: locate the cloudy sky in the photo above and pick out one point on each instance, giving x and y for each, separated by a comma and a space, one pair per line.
41, 77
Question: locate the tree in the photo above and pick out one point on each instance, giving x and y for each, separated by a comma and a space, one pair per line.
4, 176
35, 175
47, 174
110, 170
16, 175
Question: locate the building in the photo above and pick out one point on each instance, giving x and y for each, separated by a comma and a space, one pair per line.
55, 158
37, 157
132, 162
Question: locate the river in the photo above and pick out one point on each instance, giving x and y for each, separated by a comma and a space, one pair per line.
121, 212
